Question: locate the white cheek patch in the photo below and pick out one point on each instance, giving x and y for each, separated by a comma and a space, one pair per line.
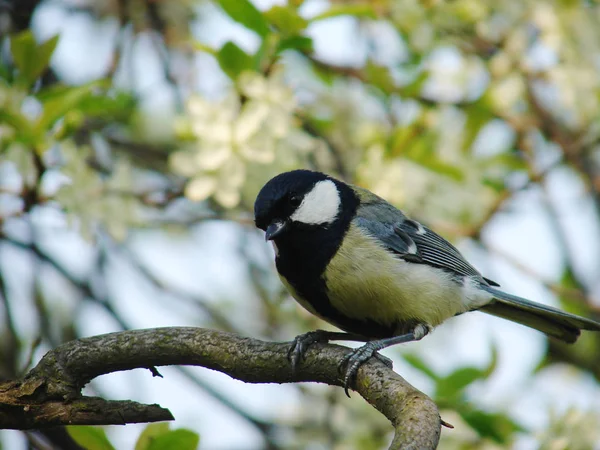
321, 205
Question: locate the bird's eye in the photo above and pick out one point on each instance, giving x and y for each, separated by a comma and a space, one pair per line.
295, 201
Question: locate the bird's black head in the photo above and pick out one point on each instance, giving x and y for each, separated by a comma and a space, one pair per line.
301, 199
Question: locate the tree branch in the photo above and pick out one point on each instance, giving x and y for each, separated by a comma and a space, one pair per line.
50, 394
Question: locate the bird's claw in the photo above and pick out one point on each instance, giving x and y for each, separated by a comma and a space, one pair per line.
300, 345
356, 358
385, 360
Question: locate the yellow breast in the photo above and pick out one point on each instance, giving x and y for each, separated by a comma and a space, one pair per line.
365, 280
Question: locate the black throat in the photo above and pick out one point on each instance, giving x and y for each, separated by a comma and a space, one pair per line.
305, 250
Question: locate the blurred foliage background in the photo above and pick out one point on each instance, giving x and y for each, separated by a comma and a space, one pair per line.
135, 134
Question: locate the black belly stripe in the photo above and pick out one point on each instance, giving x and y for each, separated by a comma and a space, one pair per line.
315, 294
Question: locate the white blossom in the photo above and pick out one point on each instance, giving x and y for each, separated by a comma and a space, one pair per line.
231, 134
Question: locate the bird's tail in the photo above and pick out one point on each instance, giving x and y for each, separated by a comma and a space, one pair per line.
552, 321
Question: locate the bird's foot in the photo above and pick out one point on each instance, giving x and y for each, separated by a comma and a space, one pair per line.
353, 360
301, 343
385, 360
357, 357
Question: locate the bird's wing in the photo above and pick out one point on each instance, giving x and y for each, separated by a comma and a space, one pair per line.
393, 238
409, 239
435, 250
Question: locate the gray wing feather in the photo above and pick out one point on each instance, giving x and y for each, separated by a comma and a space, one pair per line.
437, 251
394, 239
411, 240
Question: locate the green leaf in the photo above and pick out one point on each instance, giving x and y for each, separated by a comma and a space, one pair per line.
453, 385
90, 100
56, 109
5, 74
493, 363
420, 365
30, 58
326, 75
401, 138
266, 53
286, 19
180, 439
57, 104
150, 433
22, 48
495, 426
115, 107
569, 280
505, 160
498, 185
414, 88
442, 168
90, 438
478, 115
571, 284
20, 123
355, 9
301, 43
245, 13
233, 60
380, 77
44, 53
422, 152
204, 48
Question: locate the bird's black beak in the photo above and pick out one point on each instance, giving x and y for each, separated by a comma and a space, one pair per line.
275, 229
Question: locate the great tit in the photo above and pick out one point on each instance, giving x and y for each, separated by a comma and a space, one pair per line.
357, 262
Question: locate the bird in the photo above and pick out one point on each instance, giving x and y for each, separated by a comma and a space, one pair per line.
359, 263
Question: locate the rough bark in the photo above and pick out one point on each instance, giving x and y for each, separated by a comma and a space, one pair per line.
50, 394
